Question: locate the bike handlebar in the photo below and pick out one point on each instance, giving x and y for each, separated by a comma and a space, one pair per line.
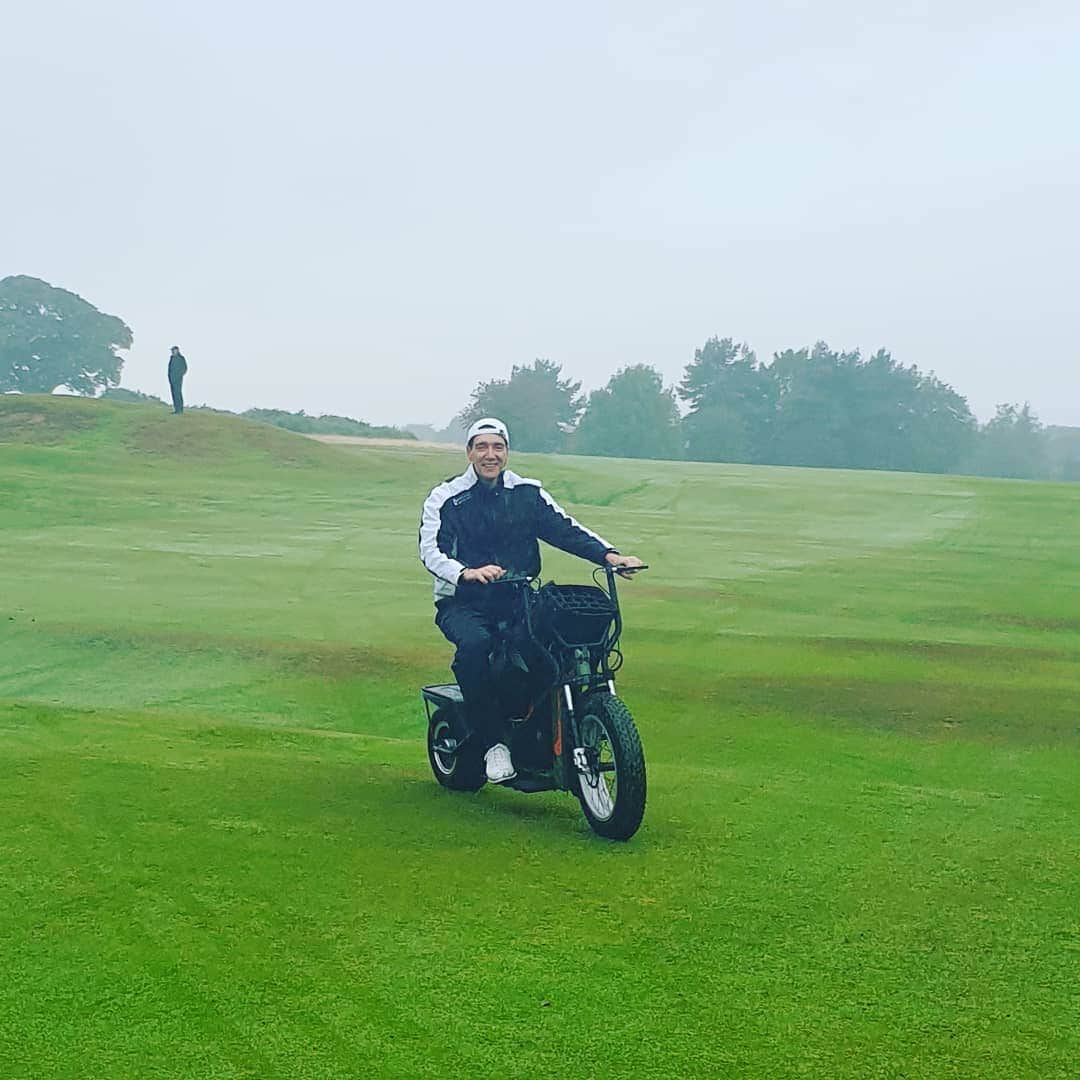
511, 579
528, 579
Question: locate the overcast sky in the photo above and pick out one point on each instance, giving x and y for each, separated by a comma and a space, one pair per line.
367, 209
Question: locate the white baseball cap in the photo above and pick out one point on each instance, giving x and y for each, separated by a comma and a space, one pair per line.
487, 426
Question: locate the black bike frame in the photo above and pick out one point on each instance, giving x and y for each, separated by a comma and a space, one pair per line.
570, 689
582, 669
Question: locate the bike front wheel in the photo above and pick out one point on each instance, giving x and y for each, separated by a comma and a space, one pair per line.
611, 776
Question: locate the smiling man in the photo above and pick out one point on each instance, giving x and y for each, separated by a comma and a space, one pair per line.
476, 528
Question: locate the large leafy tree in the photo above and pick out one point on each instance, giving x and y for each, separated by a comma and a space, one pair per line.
836, 410
732, 401
1012, 444
536, 405
816, 407
707, 374
719, 433
633, 416
942, 428
50, 337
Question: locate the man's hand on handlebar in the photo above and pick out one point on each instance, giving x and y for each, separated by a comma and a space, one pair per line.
482, 574
624, 565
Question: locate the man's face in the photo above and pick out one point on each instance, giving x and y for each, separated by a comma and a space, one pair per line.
487, 455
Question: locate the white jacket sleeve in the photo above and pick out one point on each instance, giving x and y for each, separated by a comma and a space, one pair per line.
438, 562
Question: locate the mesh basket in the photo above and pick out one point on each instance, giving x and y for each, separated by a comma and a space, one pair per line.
578, 614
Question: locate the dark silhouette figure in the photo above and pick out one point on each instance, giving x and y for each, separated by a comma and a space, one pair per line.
177, 371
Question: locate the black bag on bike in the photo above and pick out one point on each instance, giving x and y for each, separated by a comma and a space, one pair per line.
574, 614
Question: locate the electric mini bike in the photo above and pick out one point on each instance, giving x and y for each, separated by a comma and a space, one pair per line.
554, 664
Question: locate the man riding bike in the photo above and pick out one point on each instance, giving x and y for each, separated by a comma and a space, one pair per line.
476, 528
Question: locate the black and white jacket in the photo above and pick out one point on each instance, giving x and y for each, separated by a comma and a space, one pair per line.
468, 524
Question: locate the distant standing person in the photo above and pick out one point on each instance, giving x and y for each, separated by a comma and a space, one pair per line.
177, 371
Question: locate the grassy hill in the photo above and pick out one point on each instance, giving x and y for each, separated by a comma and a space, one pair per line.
223, 853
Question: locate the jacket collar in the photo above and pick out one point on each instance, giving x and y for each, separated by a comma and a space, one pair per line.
506, 478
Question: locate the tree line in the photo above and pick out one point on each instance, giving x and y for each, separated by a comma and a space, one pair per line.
813, 406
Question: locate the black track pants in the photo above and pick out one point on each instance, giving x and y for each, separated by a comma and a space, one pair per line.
473, 632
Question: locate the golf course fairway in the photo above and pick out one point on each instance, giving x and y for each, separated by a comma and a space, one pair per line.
222, 852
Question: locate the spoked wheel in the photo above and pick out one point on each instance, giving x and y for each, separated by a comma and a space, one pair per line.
457, 768
612, 786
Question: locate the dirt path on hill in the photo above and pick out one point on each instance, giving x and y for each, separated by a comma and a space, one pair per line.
356, 440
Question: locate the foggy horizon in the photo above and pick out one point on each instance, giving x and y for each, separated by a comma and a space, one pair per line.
367, 212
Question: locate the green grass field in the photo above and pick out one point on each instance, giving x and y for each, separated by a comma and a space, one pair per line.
222, 853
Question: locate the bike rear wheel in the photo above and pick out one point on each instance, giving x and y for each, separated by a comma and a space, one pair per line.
612, 786
462, 770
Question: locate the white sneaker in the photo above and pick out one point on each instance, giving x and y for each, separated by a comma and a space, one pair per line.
498, 764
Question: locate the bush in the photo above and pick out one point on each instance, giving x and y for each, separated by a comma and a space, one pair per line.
325, 425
